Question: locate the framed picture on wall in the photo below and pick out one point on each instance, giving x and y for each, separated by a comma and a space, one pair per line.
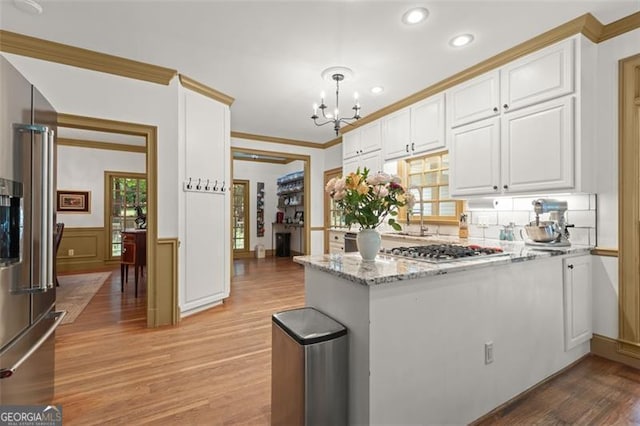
298, 217
73, 201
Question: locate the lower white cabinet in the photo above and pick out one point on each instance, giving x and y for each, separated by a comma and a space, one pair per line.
370, 160
578, 309
336, 242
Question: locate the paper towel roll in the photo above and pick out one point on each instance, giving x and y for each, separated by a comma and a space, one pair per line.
481, 204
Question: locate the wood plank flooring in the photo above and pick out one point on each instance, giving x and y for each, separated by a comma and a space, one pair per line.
215, 367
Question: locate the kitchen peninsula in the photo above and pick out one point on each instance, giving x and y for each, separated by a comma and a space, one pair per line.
447, 343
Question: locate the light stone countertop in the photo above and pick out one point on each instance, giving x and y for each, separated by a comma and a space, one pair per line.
388, 268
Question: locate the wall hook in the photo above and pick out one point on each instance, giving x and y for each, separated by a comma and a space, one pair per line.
215, 185
222, 187
189, 184
206, 187
198, 186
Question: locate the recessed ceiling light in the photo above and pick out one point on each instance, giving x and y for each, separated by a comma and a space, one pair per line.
377, 90
415, 15
461, 40
28, 6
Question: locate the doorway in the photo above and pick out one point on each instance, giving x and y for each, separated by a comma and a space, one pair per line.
332, 215
240, 218
275, 158
162, 283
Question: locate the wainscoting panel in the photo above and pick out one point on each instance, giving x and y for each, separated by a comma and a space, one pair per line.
81, 249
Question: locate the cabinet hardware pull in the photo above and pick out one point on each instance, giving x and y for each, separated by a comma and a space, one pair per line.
495, 109
505, 106
413, 146
570, 266
495, 187
406, 147
505, 186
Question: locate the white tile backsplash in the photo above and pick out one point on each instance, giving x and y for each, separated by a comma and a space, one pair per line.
581, 213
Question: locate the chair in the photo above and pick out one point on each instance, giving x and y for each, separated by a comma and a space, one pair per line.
56, 244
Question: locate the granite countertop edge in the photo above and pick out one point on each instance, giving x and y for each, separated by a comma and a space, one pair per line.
388, 269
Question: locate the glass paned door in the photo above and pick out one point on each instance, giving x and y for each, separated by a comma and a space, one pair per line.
127, 192
240, 230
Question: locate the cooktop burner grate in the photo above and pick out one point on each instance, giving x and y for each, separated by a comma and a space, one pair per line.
444, 252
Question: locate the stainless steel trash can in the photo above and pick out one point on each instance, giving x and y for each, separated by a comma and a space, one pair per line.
308, 369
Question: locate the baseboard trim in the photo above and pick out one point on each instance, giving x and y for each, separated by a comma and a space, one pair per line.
526, 392
252, 253
609, 348
81, 266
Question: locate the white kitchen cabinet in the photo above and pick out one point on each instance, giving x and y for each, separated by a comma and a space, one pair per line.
545, 138
371, 160
415, 129
361, 140
474, 158
474, 100
538, 147
578, 309
336, 242
538, 77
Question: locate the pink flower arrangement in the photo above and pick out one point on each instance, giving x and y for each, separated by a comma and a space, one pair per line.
368, 200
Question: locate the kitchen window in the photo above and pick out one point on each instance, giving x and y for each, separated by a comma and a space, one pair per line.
126, 192
240, 230
429, 175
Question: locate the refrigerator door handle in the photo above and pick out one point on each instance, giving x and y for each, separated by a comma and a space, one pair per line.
5, 373
47, 202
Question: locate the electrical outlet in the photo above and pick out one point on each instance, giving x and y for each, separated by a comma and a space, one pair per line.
488, 352
71, 252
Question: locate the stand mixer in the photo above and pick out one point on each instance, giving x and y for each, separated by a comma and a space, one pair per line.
552, 233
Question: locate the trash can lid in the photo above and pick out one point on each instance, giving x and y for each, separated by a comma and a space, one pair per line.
308, 326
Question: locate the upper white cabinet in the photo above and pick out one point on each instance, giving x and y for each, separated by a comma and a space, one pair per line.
538, 137
361, 148
474, 100
578, 309
361, 140
535, 78
415, 129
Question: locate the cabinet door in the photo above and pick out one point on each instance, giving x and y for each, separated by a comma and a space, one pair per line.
351, 144
474, 158
350, 165
427, 125
474, 100
396, 134
372, 161
370, 137
538, 77
538, 147
578, 310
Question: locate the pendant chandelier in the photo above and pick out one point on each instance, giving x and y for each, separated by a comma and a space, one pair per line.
337, 74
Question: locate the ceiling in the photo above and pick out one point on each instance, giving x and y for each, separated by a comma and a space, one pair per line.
268, 55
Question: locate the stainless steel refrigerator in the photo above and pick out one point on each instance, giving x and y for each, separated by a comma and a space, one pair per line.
27, 217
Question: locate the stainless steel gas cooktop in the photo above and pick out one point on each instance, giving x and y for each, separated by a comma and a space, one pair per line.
440, 253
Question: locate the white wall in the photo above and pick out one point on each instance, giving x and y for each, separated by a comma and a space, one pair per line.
316, 215
83, 92
605, 270
260, 172
333, 157
82, 169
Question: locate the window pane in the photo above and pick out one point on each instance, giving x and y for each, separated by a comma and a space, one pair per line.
444, 192
427, 209
427, 194
445, 161
415, 180
432, 163
444, 177
448, 208
415, 166
431, 178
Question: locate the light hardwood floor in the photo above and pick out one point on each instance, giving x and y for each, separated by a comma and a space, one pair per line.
215, 367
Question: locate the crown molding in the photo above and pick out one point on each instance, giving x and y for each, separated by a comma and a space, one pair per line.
586, 25
333, 142
38, 48
81, 143
205, 90
621, 26
264, 160
273, 139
